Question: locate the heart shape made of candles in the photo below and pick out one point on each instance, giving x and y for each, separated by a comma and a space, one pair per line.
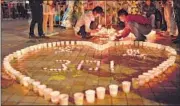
29, 82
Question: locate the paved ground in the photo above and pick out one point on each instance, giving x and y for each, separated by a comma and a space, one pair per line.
163, 90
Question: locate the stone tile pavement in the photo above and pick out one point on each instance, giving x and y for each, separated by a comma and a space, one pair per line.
161, 91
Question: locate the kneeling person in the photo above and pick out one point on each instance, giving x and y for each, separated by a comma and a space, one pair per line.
136, 24
82, 26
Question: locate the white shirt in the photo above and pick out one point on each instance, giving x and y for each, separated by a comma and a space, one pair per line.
85, 19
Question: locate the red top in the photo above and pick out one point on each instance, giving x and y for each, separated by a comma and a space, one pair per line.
134, 18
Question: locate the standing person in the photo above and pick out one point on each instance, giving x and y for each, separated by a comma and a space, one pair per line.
82, 26
48, 15
13, 11
18, 10
37, 17
168, 15
177, 17
137, 24
149, 11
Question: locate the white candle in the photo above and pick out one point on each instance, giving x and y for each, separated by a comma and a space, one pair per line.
78, 98
67, 42
19, 55
100, 92
126, 85
55, 97
149, 75
54, 44
58, 43
64, 98
44, 45
47, 92
142, 79
90, 96
113, 90
41, 89
35, 85
49, 45
25, 81
72, 42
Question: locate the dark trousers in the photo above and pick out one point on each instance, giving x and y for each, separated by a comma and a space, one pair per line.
177, 15
140, 30
83, 32
37, 17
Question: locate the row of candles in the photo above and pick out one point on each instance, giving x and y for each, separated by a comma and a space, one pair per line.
55, 96
151, 74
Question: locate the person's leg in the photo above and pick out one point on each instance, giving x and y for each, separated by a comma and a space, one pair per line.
45, 21
32, 25
40, 29
152, 18
173, 26
136, 31
167, 18
51, 24
178, 26
82, 31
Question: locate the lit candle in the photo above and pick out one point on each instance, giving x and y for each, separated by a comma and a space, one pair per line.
78, 98
47, 92
135, 83
19, 54
64, 98
149, 75
58, 43
62, 43
100, 92
55, 97
54, 44
113, 90
78, 42
35, 85
25, 81
49, 45
67, 42
41, 89
90, 96
72, 42
126, 85
142, 79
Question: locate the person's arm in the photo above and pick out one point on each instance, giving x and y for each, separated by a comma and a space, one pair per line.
87, 24
125, 32
152, 9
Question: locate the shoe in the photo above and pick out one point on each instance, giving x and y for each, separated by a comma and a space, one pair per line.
62, 27
140, 39
43, 36
176, 41
88, 37
32, 37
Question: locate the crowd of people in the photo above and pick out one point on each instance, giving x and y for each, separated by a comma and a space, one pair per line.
14, 10
163, 15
